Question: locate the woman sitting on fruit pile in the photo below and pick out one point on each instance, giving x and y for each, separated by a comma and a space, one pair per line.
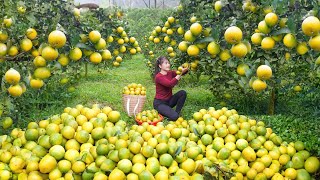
165, 79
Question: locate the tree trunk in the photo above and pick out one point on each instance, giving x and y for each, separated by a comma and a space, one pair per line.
86, 70
272, 101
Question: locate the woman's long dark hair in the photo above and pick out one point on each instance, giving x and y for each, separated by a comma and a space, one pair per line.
159, 61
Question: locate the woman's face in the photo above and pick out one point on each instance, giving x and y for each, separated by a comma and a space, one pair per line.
165, 65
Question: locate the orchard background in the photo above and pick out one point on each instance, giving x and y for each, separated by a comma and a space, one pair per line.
253, 89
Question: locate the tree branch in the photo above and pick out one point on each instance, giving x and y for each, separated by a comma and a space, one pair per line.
145, 3
14, 57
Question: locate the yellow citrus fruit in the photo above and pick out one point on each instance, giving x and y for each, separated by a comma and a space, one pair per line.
123, 49
42, 73
282, 22
171, 19
277, 38
242, 68
47, 164
259, 85
289, 41
94, 36
117, 174
180, 30
312, 164
314, 43
188, 165
252, 173
75, 54
68, 132
183, 46
290, 173
26, 44
303, 174
120, 29
213, 48
109, 39
12, 76
78, 166
125, 165
196, 29
36, 83
31, 33
13, 50
120, 41
57, 39
106, 55
15, 90
113, 116
267, 43
49, 53
310, 26
39, 61
271, 19
302, 48
133, 51
218, 6
256, 38
6, 122
95, 58
3, 49
156, 40
82, 136
264, 72
263, 27
239, 50
284, 159
193, 50
57, 151
3, 36
298, 145
233, 35
101, 44
188, 36
63, 60
16, 164
225, 55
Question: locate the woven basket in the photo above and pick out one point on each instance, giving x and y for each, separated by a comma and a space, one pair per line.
133, 104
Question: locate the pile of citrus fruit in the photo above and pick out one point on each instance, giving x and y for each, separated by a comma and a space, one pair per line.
149, 116
134, 89
94, 143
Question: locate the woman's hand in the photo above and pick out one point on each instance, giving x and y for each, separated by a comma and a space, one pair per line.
184, 71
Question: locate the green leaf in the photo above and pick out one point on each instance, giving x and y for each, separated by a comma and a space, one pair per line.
31, 19
207, 39
249, 73
291, 24
84, 46
195, 131
178, 151
266, 62
281, 31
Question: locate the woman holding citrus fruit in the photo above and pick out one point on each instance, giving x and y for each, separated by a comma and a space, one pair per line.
165, 79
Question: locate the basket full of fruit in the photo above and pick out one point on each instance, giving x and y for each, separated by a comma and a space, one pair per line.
152, 117
133, 98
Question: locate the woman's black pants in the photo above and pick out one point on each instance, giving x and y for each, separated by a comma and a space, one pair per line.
165, 107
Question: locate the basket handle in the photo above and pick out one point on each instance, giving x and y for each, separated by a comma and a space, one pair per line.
128, 106
135, 108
